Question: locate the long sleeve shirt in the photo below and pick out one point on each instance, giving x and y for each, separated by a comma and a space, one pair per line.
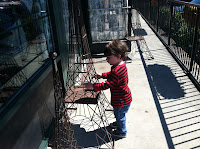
117, 81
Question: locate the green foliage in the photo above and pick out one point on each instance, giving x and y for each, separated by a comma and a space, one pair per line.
153, 14
181, 32
164, 18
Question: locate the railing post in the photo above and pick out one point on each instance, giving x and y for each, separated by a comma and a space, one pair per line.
129, 21
53, 56
170, 22
144, 14
157, 16
150, 10
193, 53
130, 2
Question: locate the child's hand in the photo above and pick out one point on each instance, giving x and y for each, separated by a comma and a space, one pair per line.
88, 85
98, 75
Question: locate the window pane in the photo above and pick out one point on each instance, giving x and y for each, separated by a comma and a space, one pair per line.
25, 41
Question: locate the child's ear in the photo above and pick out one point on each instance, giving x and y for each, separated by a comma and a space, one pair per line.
119, 56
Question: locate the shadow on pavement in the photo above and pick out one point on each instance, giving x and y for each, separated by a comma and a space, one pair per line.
165, 82
89, 139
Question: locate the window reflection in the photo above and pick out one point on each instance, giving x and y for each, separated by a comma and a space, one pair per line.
25, 40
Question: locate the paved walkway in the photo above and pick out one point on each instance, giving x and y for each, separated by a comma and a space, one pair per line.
165, 108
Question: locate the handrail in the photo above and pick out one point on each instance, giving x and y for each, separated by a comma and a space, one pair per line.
185, 3
127, 7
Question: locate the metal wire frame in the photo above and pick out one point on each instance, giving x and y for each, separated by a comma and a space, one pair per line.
86, 107
90, 110
64, 135
138, 35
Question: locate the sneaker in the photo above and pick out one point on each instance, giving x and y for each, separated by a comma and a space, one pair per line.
113, 125
115, 134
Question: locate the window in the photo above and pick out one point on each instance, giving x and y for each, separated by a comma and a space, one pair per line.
25, 41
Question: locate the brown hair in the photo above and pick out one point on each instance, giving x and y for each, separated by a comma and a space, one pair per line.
116, 47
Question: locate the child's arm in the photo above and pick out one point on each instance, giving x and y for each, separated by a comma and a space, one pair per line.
99, 86
110, 83
105, 75
98, 75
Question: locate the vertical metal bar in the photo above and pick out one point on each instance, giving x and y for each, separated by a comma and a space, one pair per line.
194, 40
143, 12
157, 19
130, 3
53, 25
144, 9
129, 21
53, 56
150, 6
170, 23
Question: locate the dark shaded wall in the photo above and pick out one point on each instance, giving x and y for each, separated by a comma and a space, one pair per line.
60, 24
24, 125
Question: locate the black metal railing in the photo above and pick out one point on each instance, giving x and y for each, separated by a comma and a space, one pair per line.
177, 24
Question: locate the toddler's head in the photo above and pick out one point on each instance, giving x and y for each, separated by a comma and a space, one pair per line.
116, 47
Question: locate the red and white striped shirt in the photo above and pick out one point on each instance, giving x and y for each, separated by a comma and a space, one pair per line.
117, 81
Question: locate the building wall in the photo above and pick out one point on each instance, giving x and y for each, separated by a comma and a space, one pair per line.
108, 20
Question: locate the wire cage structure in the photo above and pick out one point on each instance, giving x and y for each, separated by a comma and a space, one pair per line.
137, 37
82, 116
64, 135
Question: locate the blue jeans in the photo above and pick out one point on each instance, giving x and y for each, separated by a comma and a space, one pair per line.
120, 115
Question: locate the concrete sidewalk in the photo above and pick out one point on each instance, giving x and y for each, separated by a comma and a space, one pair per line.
164, 111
